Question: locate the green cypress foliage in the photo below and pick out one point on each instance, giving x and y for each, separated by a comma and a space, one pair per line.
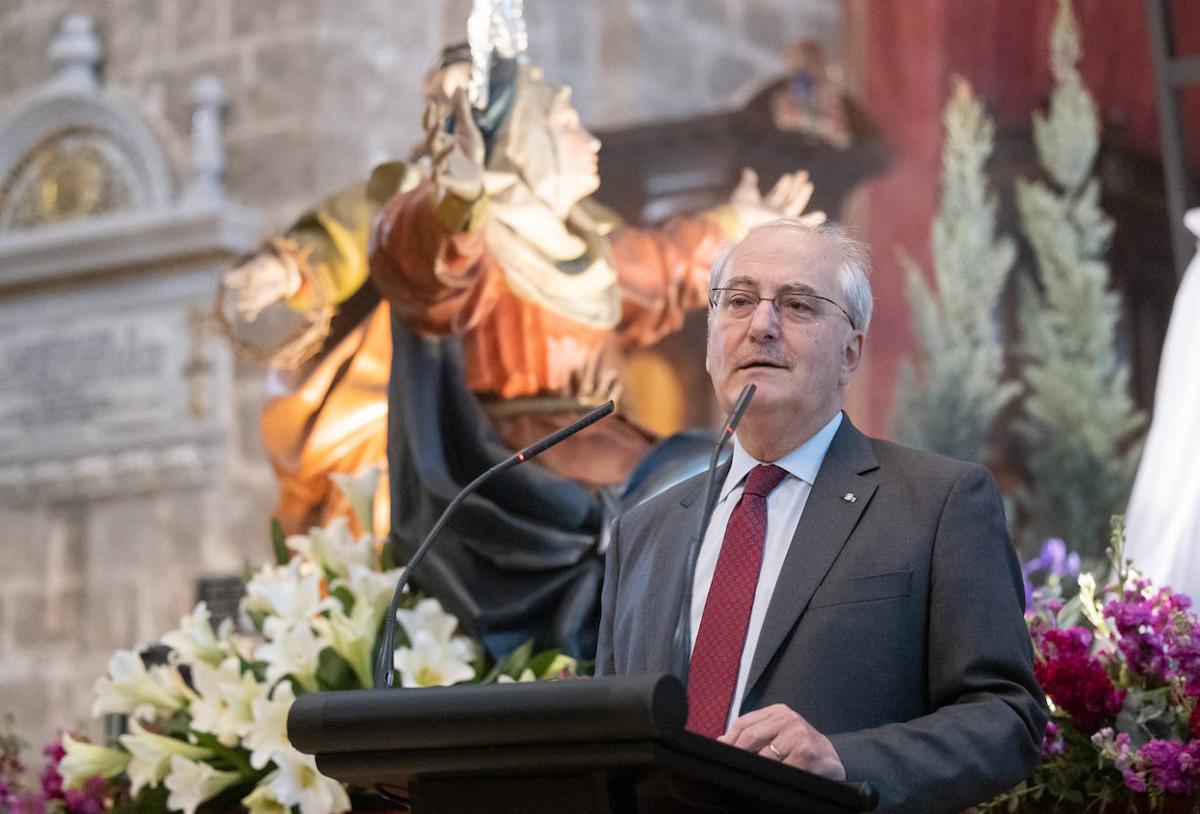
1078, 422
947, 400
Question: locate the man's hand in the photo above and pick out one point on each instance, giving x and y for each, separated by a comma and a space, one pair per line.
458, 156
786, 199
261, 281
795, 741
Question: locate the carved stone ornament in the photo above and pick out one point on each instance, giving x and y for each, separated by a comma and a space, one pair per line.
109, 258
76, 174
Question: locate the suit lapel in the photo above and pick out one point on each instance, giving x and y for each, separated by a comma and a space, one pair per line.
824, 527
671, 564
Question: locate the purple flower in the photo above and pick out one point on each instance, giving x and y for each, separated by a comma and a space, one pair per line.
52, 782
89, 800
1055, 560
55, 750
1134, 781
1159, 639
1173, 767
1052, 741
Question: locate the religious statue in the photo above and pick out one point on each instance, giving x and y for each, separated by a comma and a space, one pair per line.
303, 303
512, 294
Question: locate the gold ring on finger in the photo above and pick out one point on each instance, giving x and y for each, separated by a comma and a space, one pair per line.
775, 752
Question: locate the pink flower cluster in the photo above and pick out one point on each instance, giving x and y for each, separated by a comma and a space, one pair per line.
1171, 766
1135, 692
1075, 679
14, 799
1158, 636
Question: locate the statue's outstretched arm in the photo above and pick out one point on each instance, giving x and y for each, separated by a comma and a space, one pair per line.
665, 272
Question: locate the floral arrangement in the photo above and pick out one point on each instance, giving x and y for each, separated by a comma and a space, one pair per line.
49, 796
210, 724
1120, 665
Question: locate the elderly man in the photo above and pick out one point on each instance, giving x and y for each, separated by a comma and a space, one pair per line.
857, 605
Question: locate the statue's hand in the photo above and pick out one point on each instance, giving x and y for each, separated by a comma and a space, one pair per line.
786, 199
260, 281
458, 155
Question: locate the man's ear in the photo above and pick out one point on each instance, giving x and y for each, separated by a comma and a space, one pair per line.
852, 354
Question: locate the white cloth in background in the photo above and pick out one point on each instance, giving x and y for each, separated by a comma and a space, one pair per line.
1163, 518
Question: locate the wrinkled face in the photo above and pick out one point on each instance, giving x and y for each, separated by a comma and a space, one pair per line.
800, 362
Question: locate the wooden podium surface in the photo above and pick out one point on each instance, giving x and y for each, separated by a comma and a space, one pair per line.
613, 744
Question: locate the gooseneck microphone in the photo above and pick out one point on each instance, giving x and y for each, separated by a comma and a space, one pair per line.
385, 664
683, 625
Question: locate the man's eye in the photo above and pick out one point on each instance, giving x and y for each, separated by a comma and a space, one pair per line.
798, 305
740, 301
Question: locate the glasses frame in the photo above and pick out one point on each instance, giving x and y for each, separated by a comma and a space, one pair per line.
714, 292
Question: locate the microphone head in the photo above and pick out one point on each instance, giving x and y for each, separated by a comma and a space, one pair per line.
591, 418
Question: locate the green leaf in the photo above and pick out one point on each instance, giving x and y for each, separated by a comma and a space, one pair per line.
225, 758
513, 664
1070, 614
150, 800
387, 557
279, 542
542, 661
333, 671
345, 596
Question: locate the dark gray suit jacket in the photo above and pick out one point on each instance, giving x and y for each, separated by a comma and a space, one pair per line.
895, 628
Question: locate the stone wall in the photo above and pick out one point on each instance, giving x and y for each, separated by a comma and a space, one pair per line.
318, 91
320, 88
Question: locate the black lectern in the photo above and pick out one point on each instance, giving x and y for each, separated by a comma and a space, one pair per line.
597, 745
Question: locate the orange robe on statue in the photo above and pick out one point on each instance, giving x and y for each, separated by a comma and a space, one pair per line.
534, 367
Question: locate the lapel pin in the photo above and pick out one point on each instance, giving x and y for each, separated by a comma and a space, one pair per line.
849, 497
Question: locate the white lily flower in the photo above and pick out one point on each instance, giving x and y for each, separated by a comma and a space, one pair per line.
334, 548
292, 650
352, 637
243, 646
298, 783
263, 800
428, 616
360, 490
84, 761
131, 689
371, 587
525, 677
190, 783
195, 640
291, 592
151, 754
269, 734
226, 696
431, 662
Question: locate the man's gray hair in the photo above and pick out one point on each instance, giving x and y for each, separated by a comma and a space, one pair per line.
854, 268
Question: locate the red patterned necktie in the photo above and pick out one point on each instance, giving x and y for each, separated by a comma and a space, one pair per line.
713, 674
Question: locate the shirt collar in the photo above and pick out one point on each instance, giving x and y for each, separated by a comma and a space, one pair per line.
803, 462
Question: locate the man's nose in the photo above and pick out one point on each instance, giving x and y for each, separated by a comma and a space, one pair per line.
764, 322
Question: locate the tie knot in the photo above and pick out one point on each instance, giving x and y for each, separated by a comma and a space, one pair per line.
763, 478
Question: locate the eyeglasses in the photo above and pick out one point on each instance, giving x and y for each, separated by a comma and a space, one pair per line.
793, 307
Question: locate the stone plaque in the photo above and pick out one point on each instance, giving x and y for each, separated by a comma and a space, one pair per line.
94, 384
103, 399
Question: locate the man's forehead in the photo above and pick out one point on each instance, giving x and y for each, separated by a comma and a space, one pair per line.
783, 255
753, 282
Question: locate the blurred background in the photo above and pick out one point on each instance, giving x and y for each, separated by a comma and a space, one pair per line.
147, 144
